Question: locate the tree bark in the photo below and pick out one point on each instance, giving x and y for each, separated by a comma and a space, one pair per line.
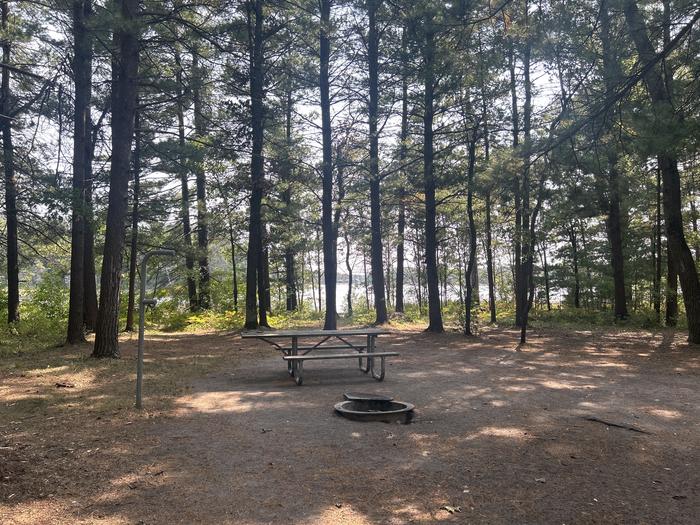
286, 176
378, 284
89, 272
403, 150
204, 298
348, 266
255, 294
81, 66
517, 236
487, 200
234, 269
612, 75
10, 179
133, 250
527, 228
183, 166
434, 307
660, 96
124, 94
468, 300
657, 250
574, 261
545, 268
671, 289
329, 242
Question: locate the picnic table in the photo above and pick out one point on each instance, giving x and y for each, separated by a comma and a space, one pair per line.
359, 343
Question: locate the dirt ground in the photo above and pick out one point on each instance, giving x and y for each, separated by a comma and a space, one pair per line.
500, 436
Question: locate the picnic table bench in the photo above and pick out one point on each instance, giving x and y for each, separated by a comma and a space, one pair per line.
359, 342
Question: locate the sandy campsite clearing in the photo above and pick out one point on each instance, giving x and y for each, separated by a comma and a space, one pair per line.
500, 436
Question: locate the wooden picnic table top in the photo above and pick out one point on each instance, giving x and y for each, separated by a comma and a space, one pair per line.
313, 333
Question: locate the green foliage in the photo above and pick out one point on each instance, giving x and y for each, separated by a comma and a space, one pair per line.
49, 300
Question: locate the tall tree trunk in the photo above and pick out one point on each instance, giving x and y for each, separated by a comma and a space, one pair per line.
348, 266
377, 248
184, 166
204, 298
660, 96
133, 250
657, 247
364, 265
468, 300
89, 272
329, 242
255, 294
517, 236
265, 274
487, 197
694, 215
318, 281
612, 75
124, 94
574, 261
234, 269
419, 288
671, 289
434, 307
10, 179
545, 268
400, 256
528, 225
82, 63
286, 176
403, 150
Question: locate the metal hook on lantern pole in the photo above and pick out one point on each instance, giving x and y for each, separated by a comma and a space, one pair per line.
143, 302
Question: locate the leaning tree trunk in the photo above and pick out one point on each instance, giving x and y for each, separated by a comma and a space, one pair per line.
204, 299
133, 248
434, 308
329, 256
668, 162
124, 93
81, 66
10, 179
378, 284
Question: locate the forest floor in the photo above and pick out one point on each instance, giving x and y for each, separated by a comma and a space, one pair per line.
500, 435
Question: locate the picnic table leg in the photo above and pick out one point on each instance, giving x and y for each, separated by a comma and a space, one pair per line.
291, 364
380, 376
298, 373
370, 350
363, 367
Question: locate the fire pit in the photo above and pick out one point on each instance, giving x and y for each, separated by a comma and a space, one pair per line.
372, 407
